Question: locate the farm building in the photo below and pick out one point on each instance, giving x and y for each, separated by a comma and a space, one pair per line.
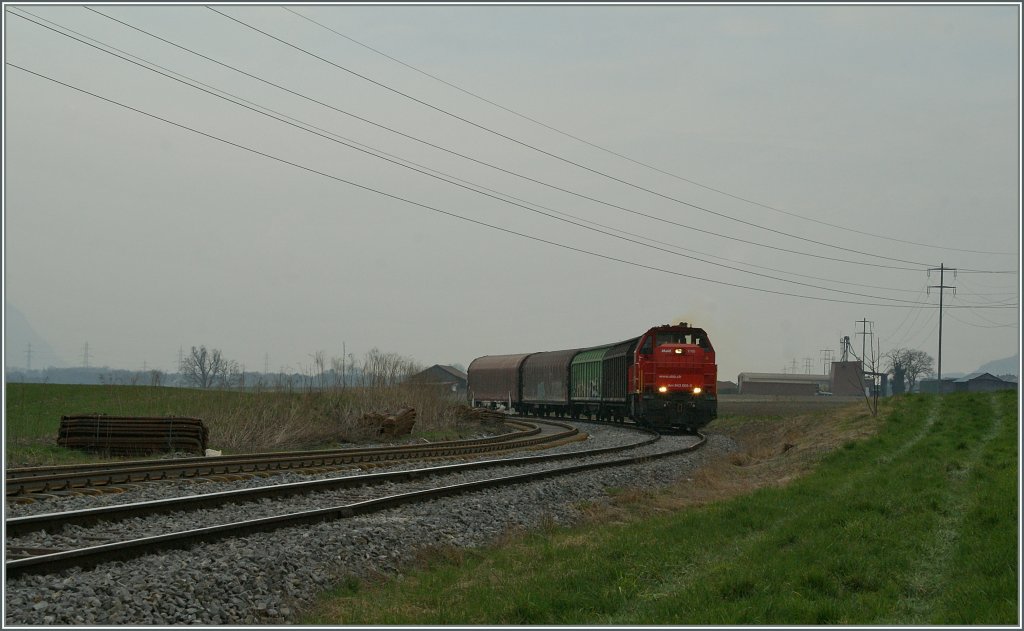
974, 382
448, 378
781, 384
726, 387
931, 386
983, 382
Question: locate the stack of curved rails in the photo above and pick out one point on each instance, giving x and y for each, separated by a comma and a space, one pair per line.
27, 560
25, 483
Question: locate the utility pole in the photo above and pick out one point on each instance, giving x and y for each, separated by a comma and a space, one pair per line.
826, 360
863, 342
942, 269
807, 365
85, 355
28, 357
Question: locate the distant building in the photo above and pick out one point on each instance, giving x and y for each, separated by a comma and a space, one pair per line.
781, 384
446, 378
983, 382
975, 382
931, 386
727, 387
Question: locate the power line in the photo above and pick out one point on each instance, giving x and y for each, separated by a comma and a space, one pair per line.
990, 325
444, 212
555, 156
343, 142
495, 167
625, 157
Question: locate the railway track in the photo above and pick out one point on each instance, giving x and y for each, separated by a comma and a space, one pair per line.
344, 497
34, 482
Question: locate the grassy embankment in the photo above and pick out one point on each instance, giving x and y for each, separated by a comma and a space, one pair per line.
911, 519
238, 421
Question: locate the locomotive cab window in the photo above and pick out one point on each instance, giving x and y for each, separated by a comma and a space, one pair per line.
672, 338
648, 346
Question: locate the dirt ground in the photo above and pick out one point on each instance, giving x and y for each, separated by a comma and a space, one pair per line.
776, 444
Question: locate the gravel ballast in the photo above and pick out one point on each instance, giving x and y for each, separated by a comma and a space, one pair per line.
268, 578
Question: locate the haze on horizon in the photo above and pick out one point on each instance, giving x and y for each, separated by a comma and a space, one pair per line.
811, 164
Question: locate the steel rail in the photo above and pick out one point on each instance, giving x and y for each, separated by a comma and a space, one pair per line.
18, 526
84, 476
119, 551
14, 473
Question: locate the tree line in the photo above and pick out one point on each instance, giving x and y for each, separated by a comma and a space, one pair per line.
208, 368
204, 367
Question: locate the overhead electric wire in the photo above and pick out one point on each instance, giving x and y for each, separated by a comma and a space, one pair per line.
992, 325
629, 159
439, 210
498, 168
557, 157
906, 316
299, 126
929, 328
368, 148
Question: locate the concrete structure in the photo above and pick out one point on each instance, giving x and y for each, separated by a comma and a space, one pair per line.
781, 384
447, 378
847, 378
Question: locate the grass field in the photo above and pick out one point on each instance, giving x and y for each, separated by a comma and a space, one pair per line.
910, 518
238, 421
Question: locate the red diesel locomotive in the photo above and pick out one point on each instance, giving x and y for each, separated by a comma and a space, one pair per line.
665, 379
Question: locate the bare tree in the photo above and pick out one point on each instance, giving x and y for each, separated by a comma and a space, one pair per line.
906, 365
320, 361
207, 368
386, 369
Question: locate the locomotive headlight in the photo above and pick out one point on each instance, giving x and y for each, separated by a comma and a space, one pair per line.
696, 390
679, 351
663, 389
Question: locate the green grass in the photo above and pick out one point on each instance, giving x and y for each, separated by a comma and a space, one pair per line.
917, 525
239, 421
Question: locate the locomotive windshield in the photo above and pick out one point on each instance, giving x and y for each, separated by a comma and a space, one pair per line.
679, 338
672, 337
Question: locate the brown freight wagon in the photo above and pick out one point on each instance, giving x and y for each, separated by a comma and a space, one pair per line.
546, 380
494, 379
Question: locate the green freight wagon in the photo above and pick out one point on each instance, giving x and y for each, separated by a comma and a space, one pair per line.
587, 379
599, 381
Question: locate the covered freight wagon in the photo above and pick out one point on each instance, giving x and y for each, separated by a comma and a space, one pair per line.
546, 381
600, 380
615, 371
495, 379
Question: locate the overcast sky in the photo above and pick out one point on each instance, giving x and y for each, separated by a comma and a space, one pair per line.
759, 171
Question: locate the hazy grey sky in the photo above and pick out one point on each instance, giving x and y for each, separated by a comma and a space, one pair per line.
140, 237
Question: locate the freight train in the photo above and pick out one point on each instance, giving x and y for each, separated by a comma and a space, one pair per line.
664, 379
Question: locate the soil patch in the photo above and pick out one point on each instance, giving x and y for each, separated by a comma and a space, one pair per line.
771, 451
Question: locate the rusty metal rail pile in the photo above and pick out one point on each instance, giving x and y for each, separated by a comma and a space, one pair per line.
69, 478
133, 435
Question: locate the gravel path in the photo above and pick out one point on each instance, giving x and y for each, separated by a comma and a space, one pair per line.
267, 578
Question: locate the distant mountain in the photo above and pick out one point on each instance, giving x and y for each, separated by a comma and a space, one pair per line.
18, 334
1007, 366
